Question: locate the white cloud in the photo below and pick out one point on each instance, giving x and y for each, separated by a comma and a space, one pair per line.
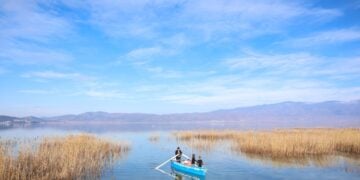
342, 66
246, 19
249, 96
26, 20
164, 73
300, 65
34, 56
104, 94
57, 75
292, 64
207, 18
84, 85
37, 91
121, 18
141, 56
143, 53
175, 42
236, 90
257, 78
251, 61
329, 37
164, 47
27, 29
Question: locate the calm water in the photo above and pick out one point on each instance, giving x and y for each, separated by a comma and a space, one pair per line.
145, 155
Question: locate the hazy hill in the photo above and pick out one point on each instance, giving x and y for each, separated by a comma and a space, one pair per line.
330, 113
6, 118
286, 113
10, 121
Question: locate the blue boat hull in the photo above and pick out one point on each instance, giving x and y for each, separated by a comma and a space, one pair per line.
188, 169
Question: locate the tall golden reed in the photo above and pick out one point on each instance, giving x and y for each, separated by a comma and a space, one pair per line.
71, 157
203, 141
282, 143
299, 142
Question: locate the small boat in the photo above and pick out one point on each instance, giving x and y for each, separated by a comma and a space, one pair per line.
192, 170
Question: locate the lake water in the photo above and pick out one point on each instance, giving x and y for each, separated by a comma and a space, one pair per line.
145, 155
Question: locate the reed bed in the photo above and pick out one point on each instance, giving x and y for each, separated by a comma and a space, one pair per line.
210, 135
290, 143
80, 156
203, 141
299, 142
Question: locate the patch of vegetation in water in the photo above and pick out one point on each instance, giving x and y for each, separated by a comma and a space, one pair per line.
70, 157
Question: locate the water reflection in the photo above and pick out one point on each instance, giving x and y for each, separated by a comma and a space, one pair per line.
219, 158
348, 164
182, 176
154, 137
317, 161
345, 162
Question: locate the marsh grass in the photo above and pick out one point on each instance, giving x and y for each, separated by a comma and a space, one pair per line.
71, 157
205, 135
299, 142
277, 144
203, 141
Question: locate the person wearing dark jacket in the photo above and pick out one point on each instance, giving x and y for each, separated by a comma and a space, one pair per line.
178, 154
193, 160
199, 162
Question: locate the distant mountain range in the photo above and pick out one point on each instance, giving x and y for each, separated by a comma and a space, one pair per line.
286, 114
10, 121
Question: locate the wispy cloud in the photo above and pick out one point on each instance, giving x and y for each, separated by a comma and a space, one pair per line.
174, 54
26, 20
37, 91
248, 96
27, 30
57, 75
257, 78
104, 94
236, 90
328, 37
247, 19
142, 56
84, 85
209, 19
293, 64
33, 56
164, 73
163, 47
255, 61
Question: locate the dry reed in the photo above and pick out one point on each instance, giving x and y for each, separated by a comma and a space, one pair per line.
282, 143
71, 157
299, 142
203, 141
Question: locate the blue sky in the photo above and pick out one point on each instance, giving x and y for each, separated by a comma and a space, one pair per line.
70, 56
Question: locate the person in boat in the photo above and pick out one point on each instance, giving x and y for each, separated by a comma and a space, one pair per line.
186, 162
199, 162
178, 154
193, 160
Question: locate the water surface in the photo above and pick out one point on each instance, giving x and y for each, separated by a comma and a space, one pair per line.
145, 155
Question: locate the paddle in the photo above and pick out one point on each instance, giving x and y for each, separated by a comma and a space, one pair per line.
165, 162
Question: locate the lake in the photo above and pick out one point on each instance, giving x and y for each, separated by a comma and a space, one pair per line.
222, 163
